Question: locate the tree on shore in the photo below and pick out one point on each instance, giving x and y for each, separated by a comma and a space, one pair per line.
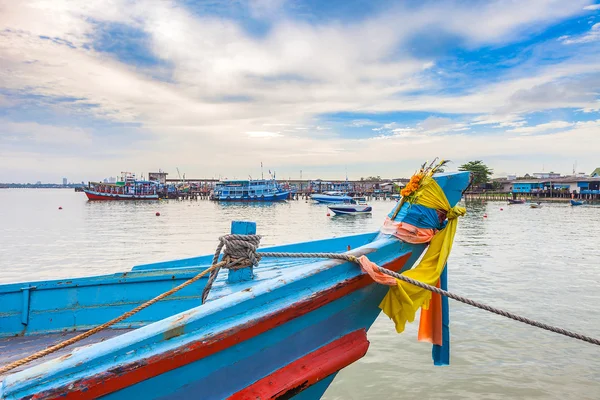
481, 172
372, 179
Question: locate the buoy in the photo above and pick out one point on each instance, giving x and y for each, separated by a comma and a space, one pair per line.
484, 215
501, 209
60, 208
328, 214
157, 214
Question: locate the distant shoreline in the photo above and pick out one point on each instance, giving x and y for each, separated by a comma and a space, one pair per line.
40, 187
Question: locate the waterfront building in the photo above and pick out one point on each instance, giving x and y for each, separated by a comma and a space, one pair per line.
160, 177
546, 175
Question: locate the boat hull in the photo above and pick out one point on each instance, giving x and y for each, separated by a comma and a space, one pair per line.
91, 195
294, 338
284, 333
576, 203
321, 198
342, 210
270, 197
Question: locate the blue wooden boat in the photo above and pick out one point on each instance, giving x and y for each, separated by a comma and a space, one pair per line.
331, 197
250, 190
282, 329
576, 203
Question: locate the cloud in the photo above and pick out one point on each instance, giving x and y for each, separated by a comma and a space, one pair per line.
592, 36
542, 127
263, 134
41, 136
592, 7
359, 123
500, 121
439, 124
289, 76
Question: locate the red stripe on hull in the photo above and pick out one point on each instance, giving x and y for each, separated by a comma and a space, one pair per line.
107, 196
308, 370
130, 374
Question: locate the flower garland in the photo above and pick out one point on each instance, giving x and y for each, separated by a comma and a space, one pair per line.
419, 177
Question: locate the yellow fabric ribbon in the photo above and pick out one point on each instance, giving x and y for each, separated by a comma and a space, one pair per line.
403, 300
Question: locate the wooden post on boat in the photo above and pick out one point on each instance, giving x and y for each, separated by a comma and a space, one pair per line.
242, 274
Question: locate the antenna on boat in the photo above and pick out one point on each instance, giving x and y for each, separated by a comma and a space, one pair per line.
262, 175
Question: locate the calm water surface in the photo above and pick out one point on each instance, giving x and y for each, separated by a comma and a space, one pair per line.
541, 263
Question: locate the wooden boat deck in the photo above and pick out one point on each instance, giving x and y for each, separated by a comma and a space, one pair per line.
17, 347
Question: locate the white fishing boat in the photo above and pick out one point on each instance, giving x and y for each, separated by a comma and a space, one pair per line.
331, 197
357, 205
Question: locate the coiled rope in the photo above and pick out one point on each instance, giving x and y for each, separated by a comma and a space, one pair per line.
240, 252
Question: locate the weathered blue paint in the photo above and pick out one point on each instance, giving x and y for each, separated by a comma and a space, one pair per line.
243, 274
285, 287
25, 310
324, 245
82, 303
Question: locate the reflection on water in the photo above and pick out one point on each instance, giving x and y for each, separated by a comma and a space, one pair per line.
542, 263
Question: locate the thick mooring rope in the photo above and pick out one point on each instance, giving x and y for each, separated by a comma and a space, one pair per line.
242, 245
237, 247
491, 309
75, 339
240, 251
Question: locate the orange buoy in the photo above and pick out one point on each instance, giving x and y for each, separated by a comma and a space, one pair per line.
157, 214
328, 214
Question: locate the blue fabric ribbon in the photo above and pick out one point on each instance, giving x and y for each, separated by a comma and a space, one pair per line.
441, 354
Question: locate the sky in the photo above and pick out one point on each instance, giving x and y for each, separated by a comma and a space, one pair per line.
318, 89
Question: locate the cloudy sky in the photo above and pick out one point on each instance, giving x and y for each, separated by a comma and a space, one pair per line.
92, 88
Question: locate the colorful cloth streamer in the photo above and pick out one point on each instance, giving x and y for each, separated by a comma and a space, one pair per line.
403, 300
441, 352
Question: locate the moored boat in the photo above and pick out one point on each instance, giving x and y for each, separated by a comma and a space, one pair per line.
358, 205
576, 202
511, 201
281, 329
331, 197
129, 188
250, 190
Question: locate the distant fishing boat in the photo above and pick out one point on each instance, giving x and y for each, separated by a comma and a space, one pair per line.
576, 203
511, 201
282, 329
358, 205
128, 188
331, 197
536, 205
250, 190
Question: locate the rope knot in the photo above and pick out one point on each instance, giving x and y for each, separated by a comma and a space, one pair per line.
239, 248
456, 212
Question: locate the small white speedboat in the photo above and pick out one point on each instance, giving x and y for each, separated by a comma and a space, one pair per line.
331, 197
357, 205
